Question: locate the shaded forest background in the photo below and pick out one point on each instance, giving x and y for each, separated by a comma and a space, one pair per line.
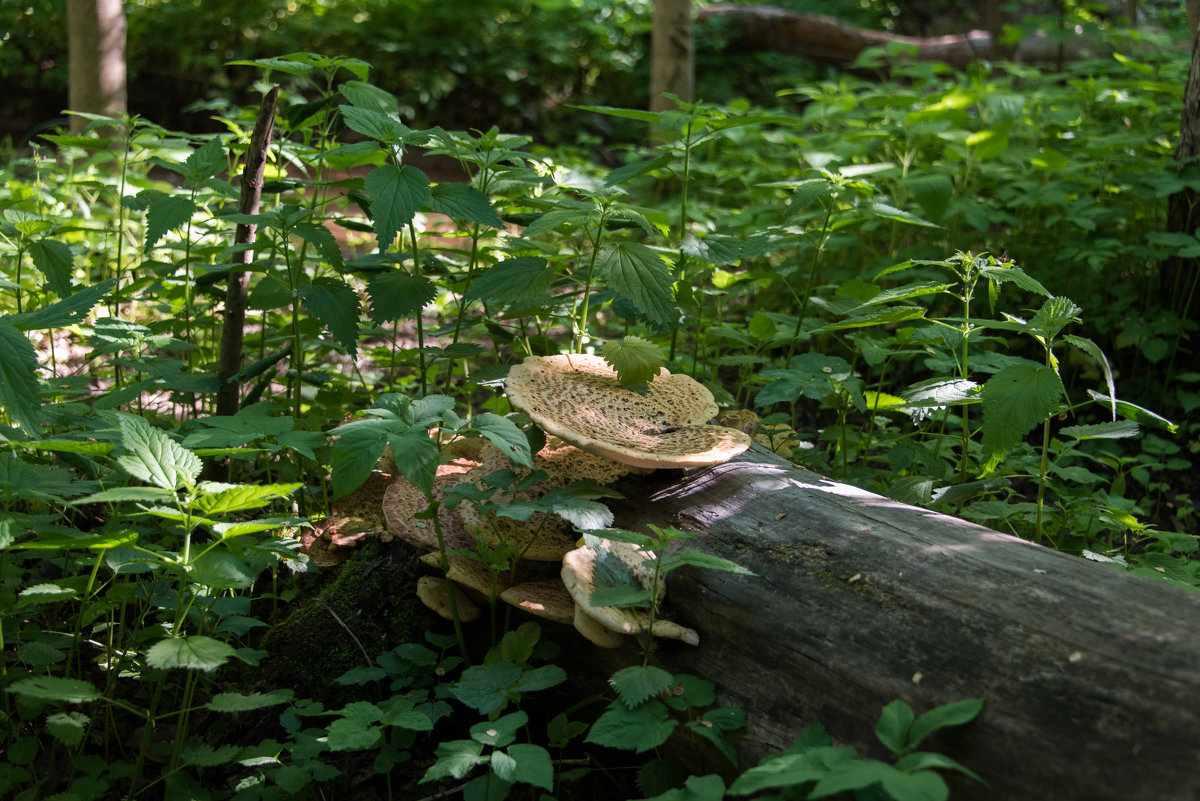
462, 65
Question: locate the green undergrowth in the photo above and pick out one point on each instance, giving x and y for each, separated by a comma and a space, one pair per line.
943, 288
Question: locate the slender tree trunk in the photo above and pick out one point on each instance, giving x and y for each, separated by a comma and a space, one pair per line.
1179, 277
232, 331
671, 48
96, 44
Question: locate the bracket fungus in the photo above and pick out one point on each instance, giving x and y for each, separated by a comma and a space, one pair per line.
579, 577
579, 398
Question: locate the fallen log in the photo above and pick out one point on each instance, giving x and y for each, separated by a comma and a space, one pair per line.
826, 40
1091, 675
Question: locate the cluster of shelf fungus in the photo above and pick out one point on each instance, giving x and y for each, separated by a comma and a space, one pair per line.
596, 430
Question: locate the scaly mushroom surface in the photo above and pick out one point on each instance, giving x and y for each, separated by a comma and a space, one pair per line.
579, 398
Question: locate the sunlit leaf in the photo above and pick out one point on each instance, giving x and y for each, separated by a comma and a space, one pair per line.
192, 653
640, 274
396, 195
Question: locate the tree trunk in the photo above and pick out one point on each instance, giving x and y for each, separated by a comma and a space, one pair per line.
1179, 278
1091, 675
830, 41
96, 46
232, 329
671, 61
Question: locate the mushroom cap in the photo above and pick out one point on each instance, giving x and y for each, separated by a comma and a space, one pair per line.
594, 631
541, 538
547, 598
433, 593
578, 575
470, 573
403, 500
579, 398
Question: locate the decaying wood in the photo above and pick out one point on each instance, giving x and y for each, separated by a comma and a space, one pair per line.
1091, 674
830, 41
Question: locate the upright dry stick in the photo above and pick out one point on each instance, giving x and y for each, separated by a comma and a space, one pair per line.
232, 333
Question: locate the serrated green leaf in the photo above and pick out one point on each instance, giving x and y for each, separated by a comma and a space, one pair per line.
852, 775
45, 593
203, 755
463, 202
152, 456
53, 688
350, 734
396, 195
506, 436
18, 380
125, 494
638, 683
636, 360
1092, 349
221, 499
455, 758
54, 260
1131, 411
541, 678
323, 240
62, 313
221, 570
368, 96
485, 688
397, 295
933, 192
1120, 429
713, 249
165, 213
640, 729
416, 456
191, 653
698, 558
899, 215
1007, 273
355, 453
67, 727
807, 192
516, 282
204, 162
1015, 400
638, 273
335, 304
375, 123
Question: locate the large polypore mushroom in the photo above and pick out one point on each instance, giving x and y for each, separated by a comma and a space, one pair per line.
579, 398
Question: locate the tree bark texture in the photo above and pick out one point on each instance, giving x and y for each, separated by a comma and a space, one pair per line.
1091, 675
96, 61
829, 41
671, 49
233, 327
1179, 278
